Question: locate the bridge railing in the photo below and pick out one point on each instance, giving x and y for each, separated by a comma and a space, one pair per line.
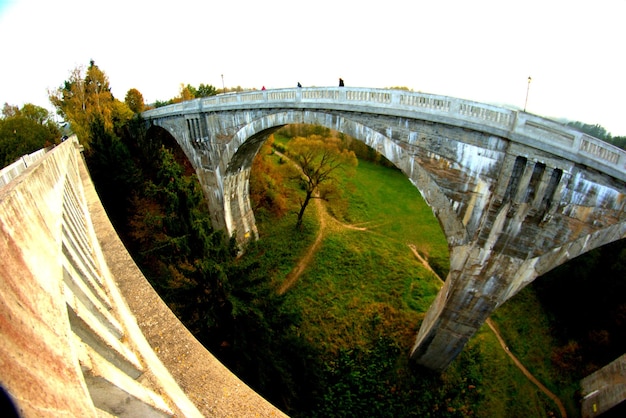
68, 343
13, 170
515, 125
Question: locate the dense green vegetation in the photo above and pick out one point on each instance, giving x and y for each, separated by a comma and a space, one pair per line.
25, 130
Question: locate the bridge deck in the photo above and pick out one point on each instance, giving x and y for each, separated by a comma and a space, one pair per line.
514, 125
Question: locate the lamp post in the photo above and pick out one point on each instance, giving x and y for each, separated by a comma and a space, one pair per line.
223, 88
527, 90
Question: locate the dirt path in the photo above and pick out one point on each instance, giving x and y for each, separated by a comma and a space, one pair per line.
516, 361
327, 223
295, 274
530, 377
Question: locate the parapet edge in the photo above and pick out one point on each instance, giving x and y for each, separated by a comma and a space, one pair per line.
213, 388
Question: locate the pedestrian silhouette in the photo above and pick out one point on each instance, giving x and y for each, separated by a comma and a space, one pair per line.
340, 82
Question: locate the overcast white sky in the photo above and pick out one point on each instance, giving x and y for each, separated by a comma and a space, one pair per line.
482, 50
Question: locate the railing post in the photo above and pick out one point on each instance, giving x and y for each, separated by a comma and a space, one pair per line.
298, 95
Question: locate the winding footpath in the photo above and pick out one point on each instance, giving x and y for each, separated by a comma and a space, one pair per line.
530, 377
296, 272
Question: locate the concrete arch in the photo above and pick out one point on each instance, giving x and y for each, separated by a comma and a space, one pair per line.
162, 132
248, 140
516, 194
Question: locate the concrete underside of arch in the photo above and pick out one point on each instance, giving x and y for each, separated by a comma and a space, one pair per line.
510, 212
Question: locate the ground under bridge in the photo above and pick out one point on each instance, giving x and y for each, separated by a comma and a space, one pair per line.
516, 194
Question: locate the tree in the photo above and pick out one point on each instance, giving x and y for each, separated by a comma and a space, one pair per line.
619, 141
9, 111
35, 113
186, 93
82, 101
134, 100
206, 90
25, 130
267, 188
189, 92
318, 160
71, 104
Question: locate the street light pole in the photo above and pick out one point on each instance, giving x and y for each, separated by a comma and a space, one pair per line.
527, 90
223, 88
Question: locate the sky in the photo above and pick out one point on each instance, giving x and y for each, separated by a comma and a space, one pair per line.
481, 50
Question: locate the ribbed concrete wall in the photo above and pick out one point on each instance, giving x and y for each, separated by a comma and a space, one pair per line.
69, 343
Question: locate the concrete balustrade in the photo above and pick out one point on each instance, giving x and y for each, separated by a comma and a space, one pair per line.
11, 171
516, 125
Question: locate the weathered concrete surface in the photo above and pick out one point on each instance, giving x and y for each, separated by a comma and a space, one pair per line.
11, 171
604, 389
214, 390
39, 371
515, 194
69, 345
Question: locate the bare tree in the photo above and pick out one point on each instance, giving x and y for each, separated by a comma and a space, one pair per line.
318, 160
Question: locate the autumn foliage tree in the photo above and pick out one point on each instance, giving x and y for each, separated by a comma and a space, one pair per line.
318, 160
83, 100
267, 191
134, 100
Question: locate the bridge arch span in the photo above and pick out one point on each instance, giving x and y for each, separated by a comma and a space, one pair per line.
516, 194
248, 140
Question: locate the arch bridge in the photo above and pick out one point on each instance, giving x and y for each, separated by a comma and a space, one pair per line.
516, 194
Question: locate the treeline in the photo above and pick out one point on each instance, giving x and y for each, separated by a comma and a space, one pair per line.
161, 214
25, 130
154, 200
189, 92
599, 132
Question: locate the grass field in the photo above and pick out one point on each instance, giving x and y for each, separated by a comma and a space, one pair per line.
371, 274
366, 284
526, 328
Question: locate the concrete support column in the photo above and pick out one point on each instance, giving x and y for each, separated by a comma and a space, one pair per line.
212, 185
478, 282
239, 216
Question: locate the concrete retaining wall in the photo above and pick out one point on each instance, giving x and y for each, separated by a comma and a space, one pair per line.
69, 343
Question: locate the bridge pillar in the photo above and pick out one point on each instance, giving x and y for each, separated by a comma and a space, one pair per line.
212, 183
479, 281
